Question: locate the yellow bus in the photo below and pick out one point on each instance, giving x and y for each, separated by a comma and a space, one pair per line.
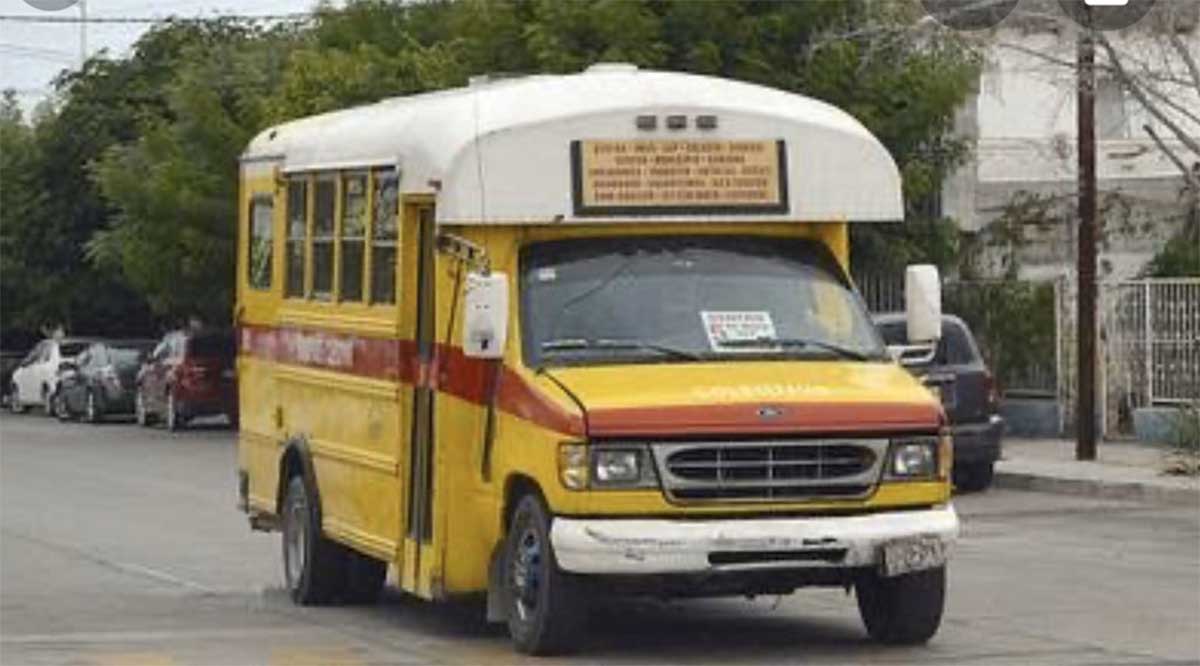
550, 337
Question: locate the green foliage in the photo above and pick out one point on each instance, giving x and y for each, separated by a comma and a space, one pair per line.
139, 160
1180, 257
1014, 323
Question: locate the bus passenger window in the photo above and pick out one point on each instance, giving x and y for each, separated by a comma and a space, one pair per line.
353, 236
261, 243
297, 211
322, 242
385, 232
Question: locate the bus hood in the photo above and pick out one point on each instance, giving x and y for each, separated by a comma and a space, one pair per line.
680, 400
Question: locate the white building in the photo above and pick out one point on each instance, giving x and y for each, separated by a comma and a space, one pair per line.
1022, 122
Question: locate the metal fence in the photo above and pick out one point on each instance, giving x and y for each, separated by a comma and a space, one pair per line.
1149, 338
1150, 343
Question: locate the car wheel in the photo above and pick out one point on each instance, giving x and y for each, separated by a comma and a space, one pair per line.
314, 567
91, 410
61, 409
48, 401
904, 610
174, 420
545, 611
975, 477
14, 401
139, 409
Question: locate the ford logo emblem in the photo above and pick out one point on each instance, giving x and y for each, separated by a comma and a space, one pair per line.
767, 413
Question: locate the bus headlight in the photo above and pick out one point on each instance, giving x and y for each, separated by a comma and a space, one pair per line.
602, 467
913, 458
617, 467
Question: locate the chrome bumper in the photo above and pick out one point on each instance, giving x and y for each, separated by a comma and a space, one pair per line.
633, 546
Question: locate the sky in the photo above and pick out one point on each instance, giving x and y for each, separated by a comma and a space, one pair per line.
32, 54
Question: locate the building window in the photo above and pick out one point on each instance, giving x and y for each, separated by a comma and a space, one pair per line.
353, 237
385, 235
297, 234
261, 243
324, 201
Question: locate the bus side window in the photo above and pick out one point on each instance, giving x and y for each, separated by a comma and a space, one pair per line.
297, 236
353, 236
323, 237
384, 237
262, 244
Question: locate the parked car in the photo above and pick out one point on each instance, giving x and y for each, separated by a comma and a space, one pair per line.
102, 380
189, 374
35, 381
958, 375
9, 361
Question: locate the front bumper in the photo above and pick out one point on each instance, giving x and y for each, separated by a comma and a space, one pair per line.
978, 442
634, 546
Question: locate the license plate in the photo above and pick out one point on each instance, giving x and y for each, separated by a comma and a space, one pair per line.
903, 556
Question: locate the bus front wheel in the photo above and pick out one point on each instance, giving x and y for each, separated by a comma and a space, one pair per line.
313, 565
545, 612
904, 610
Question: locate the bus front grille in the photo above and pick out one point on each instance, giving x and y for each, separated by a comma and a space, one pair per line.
762, 471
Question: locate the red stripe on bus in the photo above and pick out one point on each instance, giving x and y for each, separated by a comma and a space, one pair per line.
450, 371
753, 419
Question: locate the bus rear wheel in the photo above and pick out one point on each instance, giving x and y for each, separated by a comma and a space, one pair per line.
545, 611
904, 610
314, 567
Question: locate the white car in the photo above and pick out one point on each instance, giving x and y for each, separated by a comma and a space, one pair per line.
35, 381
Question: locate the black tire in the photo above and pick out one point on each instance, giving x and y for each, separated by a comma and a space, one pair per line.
905, 610
365, 576
61, 409
143, 416
173, 419
546, 611
974, 477
48, 402
91, 408
314, 567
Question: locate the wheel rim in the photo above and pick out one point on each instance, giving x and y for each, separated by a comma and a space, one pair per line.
139, 409
172, 419
295, 541
91, 407
526, 573
60, 407
48, 402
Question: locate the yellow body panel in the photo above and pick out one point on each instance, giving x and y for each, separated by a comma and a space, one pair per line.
359, 432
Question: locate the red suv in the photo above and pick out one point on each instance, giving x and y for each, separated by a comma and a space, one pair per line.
189, 374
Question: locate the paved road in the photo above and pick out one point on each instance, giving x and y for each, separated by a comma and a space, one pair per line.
122, 546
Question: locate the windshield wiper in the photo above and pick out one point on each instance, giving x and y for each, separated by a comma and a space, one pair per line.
574, 344
765, 342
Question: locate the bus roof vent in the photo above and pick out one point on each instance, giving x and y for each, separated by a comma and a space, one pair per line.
612, 68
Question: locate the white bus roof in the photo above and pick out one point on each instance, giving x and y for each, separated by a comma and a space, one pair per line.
500, 151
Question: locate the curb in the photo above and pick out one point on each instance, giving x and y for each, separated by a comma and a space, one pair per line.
1117, 490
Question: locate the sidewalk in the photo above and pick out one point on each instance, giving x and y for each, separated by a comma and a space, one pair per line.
1121, 471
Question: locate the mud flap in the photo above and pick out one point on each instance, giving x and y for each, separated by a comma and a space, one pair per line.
497, 592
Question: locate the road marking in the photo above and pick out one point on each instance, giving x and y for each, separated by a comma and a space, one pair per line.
135, 659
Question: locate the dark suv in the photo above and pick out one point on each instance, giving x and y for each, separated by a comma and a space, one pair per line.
958, 375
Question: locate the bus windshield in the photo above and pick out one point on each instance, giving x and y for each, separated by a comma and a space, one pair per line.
689, 298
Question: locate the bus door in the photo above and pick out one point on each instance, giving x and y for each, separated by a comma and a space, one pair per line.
419, 561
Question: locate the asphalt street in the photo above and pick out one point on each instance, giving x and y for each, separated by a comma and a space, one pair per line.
120, 545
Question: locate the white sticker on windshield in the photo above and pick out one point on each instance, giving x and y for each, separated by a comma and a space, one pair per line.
734, 331
547, 275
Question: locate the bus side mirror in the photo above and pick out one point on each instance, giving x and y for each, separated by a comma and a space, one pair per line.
923, 315
485, 323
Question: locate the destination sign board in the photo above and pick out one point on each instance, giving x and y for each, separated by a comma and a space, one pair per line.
663, 176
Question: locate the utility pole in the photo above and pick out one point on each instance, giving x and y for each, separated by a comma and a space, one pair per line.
1085, 312
83, 25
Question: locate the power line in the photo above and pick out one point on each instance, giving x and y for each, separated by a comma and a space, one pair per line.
145, 20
